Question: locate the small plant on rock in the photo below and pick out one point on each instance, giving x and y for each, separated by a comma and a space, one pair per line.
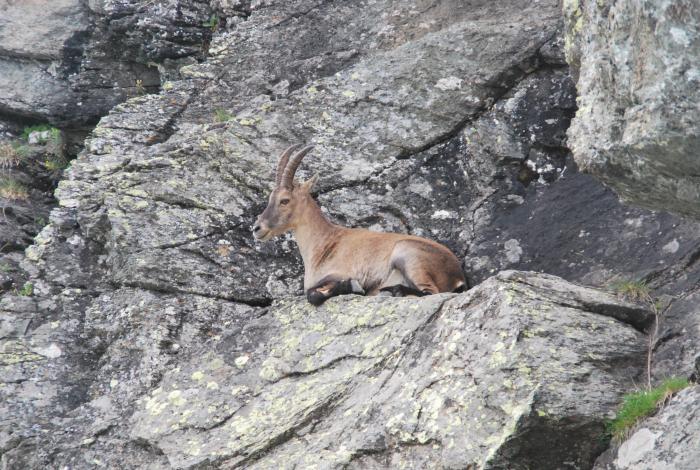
634, 290
55, 146
221, 115
38, 128
639, 291
55, 164
140, 89
212, 23
13, 190
9, 156
27, 290
639, 405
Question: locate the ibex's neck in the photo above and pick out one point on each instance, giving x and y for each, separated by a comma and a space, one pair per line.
312, 231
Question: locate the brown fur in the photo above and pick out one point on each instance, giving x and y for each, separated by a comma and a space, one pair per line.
332, 252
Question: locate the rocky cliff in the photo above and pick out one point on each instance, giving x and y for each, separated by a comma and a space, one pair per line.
638, 69
155, 333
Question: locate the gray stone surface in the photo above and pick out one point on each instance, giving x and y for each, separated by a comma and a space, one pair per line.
364, 382
68, 62
636, 128
439, 118
669, 440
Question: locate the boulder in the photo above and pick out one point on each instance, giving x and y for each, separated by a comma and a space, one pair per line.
520, 372
68, 62
638, 69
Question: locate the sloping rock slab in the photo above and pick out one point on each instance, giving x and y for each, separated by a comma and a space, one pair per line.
669, 440
519, 372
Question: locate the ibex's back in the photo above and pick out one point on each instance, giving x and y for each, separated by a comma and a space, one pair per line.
338, 260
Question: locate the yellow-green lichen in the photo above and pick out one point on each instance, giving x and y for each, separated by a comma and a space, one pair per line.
212, 385
14, 352
241, 361
175, 397
197, 376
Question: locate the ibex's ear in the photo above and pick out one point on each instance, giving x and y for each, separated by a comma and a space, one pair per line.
309, 184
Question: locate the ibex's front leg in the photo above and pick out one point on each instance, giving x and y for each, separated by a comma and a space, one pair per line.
330, 286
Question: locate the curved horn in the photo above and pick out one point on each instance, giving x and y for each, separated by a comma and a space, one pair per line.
282, 164
288, 177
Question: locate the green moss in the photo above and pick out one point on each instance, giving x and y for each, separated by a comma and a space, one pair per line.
638, 405
38, 128
40, 222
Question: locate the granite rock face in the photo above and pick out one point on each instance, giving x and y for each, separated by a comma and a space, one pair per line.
158, 333
68, 62
361, 382
638, 69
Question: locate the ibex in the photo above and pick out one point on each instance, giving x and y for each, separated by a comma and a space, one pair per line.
340, 260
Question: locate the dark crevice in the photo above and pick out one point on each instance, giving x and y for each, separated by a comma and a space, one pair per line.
328, 365
254, 302
300, 14
618, 312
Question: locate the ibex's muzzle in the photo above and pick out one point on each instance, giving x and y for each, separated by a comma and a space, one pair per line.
260, 230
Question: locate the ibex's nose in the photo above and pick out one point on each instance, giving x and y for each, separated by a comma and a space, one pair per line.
259, 232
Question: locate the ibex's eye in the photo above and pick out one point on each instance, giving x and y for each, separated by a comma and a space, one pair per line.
284, 202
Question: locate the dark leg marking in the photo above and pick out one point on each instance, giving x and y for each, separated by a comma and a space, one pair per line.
330, 287
400, 290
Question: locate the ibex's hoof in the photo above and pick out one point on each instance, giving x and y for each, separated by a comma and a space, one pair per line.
315, 297
356, 287
400, 290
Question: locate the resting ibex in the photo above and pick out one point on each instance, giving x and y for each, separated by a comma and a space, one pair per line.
340, 260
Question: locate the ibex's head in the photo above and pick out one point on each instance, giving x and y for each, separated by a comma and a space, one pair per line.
287, 200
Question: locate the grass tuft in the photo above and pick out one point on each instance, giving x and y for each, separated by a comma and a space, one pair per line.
212, 23
638, 405
633, 290
221, 115
13, 190
9, 156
